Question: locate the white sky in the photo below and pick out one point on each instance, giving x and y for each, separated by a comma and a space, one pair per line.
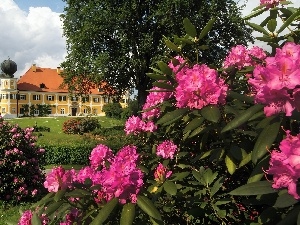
34, 34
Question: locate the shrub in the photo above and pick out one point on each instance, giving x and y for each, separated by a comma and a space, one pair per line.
80, 125
68, 154
21, 173
113, 110
131, 110
41, 129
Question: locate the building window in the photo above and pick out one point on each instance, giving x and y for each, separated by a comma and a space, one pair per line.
85, 110
4, 96
50, 98
85, 99
22, 111
106, 100
62, 111
36, 97
96, 99
62, 98
13, 110
3, 110
49, 111
12, 96
74, 98
36, 111
22, 97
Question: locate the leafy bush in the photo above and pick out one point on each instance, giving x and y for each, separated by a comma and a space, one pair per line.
68, 154
113, 110
132, 109
21, 173
41, 129
80, 125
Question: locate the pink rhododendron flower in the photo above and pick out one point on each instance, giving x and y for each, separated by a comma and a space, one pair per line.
135, 125
270, 3
25, 218
276, 84
99, 155
198, 87
58, 178
161, 173
123, 179
239, 56
285, 165
166, 149
155, 97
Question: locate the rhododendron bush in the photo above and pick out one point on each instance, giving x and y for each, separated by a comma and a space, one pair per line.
212, 145
21, 171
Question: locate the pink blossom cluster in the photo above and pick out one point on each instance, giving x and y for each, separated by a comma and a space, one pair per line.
270, 3
276, 84
121, 179
239, 56
100, 155
198, 87
154, 98
27, 217
166, 149
161, 173
136, 125
285, 164
59, 179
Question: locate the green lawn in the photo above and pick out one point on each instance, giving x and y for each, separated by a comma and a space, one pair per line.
56, 136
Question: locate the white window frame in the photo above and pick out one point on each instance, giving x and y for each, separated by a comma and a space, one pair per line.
50, 97
36, 111
22, 97
62, 111
3, 110
96, 100
36, 97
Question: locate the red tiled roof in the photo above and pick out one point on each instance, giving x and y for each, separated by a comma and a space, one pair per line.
34, 79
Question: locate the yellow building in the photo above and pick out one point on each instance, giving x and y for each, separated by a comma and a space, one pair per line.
41, 87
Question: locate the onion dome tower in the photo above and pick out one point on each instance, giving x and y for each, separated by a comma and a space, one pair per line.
8, 67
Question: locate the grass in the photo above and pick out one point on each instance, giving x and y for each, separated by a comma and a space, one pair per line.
55, 136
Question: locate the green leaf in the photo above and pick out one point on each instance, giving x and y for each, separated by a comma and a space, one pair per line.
265, 140
163, 85
211, 113
148, 207
285, 200
179, 176
53, 207
196, 122
217, 185
104, 212
170, 187
231, 167
189, 28
245, 160
254, 14
242, 118
272, 25
36, 219
255, 188
289, 21
156, 76
198, 177
171, 45
59, 195
207, 28
258, 173
241, 97
165, 68
258, 28
178, 113
128, 214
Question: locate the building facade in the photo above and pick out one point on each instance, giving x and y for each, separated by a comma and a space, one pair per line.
40, 87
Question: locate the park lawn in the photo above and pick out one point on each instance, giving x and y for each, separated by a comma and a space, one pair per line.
56, 135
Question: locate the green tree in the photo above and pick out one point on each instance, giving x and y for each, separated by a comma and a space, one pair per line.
117, 41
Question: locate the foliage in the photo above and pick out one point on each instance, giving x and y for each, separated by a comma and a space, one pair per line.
112, 110
224, 148
122, 49
43, 109
76, 153
21, 171
80, 125
132, 109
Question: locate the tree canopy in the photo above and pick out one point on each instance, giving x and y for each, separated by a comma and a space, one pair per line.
118, 41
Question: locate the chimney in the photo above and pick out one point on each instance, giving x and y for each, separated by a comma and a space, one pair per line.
33, 67
58, 70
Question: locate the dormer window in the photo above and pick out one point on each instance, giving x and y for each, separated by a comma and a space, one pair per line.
42, 85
